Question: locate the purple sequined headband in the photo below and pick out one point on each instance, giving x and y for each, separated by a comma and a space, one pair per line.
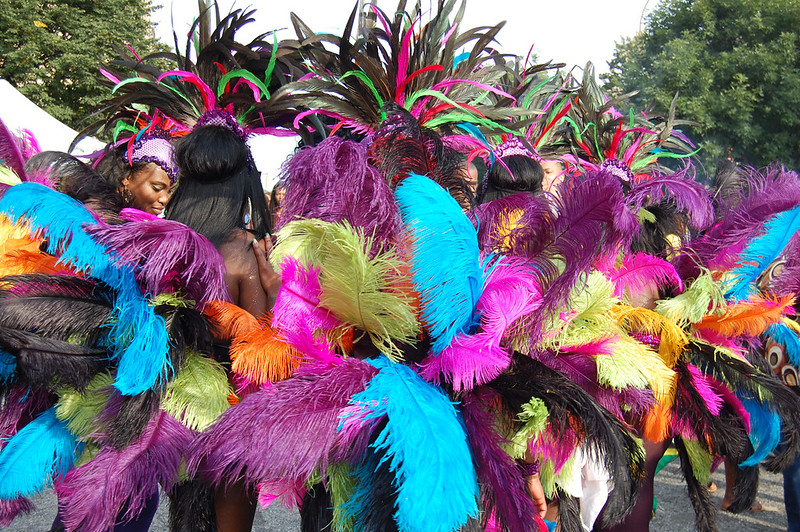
154, 149
618, 169
513, 146
221, 118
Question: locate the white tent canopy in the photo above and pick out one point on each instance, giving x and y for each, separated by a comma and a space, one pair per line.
18, 113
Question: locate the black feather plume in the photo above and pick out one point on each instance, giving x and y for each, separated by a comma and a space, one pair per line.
316, 512
191, 507
705, 512
573, 411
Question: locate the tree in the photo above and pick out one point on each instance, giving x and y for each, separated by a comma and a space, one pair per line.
51, 50
736, 66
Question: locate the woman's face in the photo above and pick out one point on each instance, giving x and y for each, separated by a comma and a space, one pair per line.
553, 174
150, 188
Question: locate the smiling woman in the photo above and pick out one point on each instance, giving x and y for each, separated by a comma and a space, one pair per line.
143, 172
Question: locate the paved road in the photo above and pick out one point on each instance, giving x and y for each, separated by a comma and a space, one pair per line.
674, 512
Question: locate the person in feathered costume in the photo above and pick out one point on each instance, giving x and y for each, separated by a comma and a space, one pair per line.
153, 277
364, 291
91, 382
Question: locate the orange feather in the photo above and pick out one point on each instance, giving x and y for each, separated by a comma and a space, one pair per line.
750, 317
228, 320
263, 356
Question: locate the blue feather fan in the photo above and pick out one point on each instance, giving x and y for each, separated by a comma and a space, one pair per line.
427, 447
137, 335
446, 266
43, 449
761, 251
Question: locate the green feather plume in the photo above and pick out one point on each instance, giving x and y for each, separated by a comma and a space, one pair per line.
703, 297
372, 294
80, 409
199, 394
701, 461
534, 416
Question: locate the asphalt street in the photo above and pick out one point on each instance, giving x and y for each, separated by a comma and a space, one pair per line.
674, 513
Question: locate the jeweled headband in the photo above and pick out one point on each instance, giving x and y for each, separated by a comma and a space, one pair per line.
152, 147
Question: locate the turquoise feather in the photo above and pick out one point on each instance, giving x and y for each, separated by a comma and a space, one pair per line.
446, 267
761, 252
427, 447
137, 336
765, 431
8, 364
42, 450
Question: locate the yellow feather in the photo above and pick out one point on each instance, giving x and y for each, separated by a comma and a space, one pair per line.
637, 319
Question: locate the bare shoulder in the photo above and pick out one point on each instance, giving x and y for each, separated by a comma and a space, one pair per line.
237, 253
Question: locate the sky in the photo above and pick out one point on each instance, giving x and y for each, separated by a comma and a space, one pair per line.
568, 31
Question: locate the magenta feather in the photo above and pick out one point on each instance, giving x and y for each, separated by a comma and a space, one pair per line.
705, 390
209, 99
690, 196
509, 293
10, 509
118, 483
502, 485
298, 302
10, 153
169, 256
285, 432
641, 271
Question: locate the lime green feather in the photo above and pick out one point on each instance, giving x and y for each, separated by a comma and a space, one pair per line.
701, 461
534, 416
199, 394
703, 297
9, 176
369, 293
80, 409
340, 485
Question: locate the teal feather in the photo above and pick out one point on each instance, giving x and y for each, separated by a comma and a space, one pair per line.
426, 444
765, 431
761, 252
137, 335
446, 267
41, 450
8, 365
783, 335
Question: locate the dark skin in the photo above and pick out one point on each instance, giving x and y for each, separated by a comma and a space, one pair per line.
234, 504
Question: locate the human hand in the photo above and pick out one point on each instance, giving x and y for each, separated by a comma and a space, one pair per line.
270, 279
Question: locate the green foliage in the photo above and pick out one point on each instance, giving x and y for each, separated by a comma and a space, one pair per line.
51, 50
736, 65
